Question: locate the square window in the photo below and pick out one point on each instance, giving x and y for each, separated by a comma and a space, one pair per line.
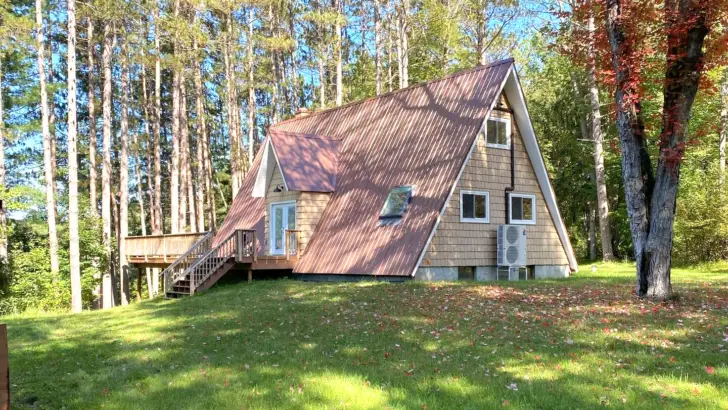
523, 209
396, 203
474, 206
498, 133
466, 273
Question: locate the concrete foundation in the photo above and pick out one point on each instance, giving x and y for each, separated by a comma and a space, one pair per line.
551, 271
437, 273
486, 273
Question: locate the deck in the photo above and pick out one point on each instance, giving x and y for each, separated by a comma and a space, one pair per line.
161, 251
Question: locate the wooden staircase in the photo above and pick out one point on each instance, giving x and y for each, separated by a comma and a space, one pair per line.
203, 265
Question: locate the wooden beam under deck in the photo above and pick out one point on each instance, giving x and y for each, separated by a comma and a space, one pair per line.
261, 262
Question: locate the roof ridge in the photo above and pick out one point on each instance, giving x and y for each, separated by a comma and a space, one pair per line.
509, 60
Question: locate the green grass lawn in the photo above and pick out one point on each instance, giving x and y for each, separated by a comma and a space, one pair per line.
581, 342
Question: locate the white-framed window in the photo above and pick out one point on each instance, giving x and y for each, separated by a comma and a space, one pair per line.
474, 206
498, 133
522, 209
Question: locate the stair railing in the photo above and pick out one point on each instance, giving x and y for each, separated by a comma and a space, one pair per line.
240, 244
175, 271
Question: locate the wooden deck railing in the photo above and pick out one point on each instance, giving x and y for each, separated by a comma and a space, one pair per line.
156, 246
177, 269
241, 245
293, 243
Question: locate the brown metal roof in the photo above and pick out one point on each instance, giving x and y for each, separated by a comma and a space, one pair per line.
417, 136
308, 162
246, 211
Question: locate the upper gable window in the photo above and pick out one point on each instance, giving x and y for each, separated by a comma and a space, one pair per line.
396, 204
498, 133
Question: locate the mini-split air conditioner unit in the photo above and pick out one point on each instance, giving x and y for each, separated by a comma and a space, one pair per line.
511, 245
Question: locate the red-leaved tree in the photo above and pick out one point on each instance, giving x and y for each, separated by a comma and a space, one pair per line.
692, 34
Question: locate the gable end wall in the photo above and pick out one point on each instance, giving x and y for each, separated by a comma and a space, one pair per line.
457, 243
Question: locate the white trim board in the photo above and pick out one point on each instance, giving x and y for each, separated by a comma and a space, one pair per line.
265, 171
514, 94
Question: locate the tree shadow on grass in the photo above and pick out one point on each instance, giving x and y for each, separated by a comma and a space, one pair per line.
285, 344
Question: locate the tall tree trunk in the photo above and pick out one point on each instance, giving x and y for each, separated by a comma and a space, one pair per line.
92, 166
208, 183
108, 49
405, 45
158, 228
605, 230
140, 196
52, 109
188, 164
322, 77
174, 186
252, 109
183, 142
47, 144
723, 123
147, 132
592, 234
201, 138
3, 215
321, 57
232, 111
337, 55
294, 48
124, 177
272, 33
377, 48
481, 32
651, 200
390, 45
73, 248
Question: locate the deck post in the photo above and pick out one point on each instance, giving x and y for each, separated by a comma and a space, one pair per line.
255, 246
139, 285
238, 245
250, 274
4, 369
286, 247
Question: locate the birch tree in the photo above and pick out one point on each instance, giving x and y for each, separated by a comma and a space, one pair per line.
605, 230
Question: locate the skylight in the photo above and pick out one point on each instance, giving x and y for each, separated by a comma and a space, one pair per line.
396, 204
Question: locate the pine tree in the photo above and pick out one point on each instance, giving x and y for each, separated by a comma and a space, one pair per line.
74, 252
47, 143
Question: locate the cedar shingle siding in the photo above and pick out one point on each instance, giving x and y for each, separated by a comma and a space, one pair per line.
458, 243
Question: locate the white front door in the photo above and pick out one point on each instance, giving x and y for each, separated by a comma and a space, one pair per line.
282, 217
